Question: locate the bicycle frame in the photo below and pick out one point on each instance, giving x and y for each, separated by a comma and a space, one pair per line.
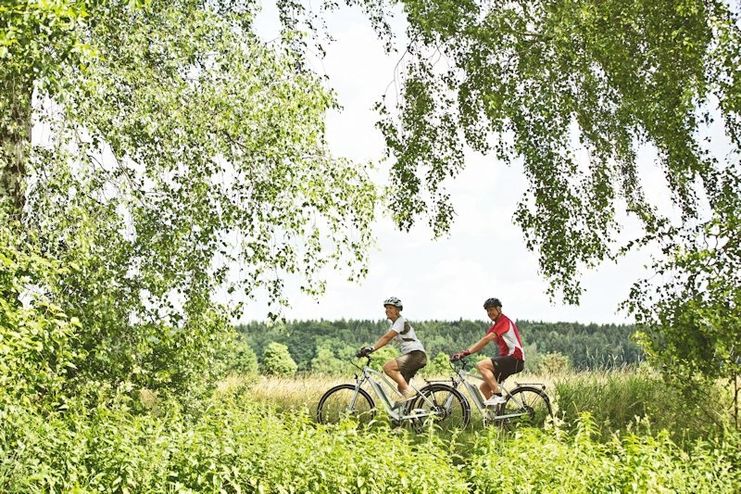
464, 377
377, 380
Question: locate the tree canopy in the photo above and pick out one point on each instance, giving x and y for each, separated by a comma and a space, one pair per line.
185, 161
181, 165
576, 91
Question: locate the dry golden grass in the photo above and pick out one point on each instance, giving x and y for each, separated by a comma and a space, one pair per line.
614, 398
305, 391
295, 392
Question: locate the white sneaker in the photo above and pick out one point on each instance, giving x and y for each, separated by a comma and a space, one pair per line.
401, 402
495, 400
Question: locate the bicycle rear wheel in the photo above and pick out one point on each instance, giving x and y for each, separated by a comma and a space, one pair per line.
526, 406
345, 401
442, 406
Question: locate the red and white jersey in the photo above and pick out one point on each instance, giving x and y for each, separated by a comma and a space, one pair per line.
507, 337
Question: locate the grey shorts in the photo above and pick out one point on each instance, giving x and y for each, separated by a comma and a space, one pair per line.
410, 363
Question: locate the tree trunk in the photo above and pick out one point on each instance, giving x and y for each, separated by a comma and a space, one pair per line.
735, 399
15, 140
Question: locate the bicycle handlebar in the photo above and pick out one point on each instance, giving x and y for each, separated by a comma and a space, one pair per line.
367, 362
461, 362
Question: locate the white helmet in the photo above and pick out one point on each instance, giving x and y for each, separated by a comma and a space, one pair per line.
393, 301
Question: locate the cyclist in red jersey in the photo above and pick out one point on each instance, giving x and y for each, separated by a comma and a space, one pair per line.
510, 360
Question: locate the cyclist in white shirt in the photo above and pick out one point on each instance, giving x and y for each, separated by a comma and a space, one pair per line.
413, 357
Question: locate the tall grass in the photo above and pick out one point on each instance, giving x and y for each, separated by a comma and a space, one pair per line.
304, 392
625, 399
300, 393
238, 445
617, 400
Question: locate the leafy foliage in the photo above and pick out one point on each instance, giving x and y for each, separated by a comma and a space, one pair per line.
277, 361
576, 91
326, 363
553, 363
544, 78
39, 346
437, 366
691, 315
638, 463
236, 446
57, 346
244, 359
36, 40
184, 162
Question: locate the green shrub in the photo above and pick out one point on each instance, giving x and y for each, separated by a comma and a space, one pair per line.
68, 328
534, 461
236, 445
438, 366
277, 361
553, 364
240, 356
39, 342
326, 363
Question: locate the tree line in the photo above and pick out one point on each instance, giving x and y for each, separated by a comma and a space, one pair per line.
325, 346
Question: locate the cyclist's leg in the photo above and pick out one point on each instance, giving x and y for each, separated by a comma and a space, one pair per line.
410, 363
407, 366
391, 368
485, 390
486, 369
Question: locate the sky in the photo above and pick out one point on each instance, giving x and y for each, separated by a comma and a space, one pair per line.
484, 254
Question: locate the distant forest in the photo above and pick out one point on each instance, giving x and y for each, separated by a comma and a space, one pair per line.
587, 346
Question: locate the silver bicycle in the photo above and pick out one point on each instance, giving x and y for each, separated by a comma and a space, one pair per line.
352, 400
525, 404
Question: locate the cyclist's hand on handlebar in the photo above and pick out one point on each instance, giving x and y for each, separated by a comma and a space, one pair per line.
364, 352
459, 355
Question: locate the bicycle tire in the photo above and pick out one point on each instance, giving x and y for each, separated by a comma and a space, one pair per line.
337, 404
530, 405
451, 409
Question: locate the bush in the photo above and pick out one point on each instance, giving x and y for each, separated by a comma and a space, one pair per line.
65, 322
39, 343
235, 445
326, 363
553, 363
241, 358
537, 462
438, 366
277, 361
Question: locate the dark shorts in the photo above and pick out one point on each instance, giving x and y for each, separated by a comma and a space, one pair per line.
506, 366
410, 363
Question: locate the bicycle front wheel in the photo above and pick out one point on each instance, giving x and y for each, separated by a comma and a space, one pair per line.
345, 401
442, 406
527, 406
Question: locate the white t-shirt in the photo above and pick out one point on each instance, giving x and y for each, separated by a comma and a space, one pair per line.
405, 336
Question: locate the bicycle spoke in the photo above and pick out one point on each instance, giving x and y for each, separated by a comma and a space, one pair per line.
441, 406
526, 406
345, 402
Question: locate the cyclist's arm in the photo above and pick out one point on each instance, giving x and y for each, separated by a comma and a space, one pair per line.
383, 340
479, 345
